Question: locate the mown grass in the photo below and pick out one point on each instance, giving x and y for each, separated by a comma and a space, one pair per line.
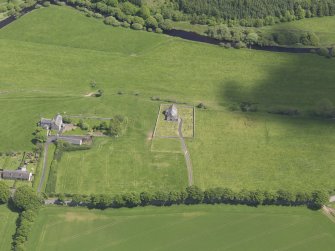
182, 228
7, 227
50, 56
118, 166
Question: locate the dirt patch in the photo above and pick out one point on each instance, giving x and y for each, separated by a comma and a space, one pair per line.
150, 135
329, 212
69, 127
91, 94
71, 217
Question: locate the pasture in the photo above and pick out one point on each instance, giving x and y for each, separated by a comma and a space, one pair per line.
118, 166
323, 28
182, 228
7, 227
51, 55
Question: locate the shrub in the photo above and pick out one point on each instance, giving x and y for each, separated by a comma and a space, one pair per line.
325, 109
97, 15
201, 106
111, 21
136, 26
149, 29
129, 8
323, 51
60, 3
285, 111
25, 198
138, 20
46, 4
194, 195
248, 107
159, 30
3, 8
4, 192
151, 22
166, 24
125, 24
144, 12
332, 52
67, 120
240, 45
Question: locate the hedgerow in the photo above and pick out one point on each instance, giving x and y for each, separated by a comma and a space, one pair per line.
195, 195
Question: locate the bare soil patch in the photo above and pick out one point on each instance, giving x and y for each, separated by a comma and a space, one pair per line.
71, 217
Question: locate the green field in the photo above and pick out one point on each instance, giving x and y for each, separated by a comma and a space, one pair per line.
7, 227
182, 228
118, 166
323, 27
47, 65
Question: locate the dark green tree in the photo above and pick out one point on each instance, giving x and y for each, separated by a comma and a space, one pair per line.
4, 192
25, 198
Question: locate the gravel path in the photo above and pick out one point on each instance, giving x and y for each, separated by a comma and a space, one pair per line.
332, 198
186, 153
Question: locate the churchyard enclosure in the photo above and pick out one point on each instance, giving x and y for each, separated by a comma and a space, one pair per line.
152, 228
169, 129
231, 148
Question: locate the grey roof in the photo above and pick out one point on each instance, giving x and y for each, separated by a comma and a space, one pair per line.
72, 140
15, 174
58, 120
46, 121
171, 112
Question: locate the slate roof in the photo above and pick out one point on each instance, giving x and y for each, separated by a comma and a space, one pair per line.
171, 113
16, 174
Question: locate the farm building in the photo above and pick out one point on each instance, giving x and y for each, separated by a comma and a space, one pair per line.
72, 140
16, 175
171, 114
52, 124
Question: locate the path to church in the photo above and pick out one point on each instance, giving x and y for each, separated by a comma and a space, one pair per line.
186, 153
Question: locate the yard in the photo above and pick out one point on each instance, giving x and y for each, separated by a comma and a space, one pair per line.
182, 228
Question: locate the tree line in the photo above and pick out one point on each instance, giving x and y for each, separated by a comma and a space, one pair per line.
284, 10
195, 195
27, 203
249, 36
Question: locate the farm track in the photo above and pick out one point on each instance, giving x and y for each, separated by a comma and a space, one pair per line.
45, 159
186, 153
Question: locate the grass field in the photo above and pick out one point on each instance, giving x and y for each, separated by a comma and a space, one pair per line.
323, 27
117, 166
7, 227
51, 55
182, 228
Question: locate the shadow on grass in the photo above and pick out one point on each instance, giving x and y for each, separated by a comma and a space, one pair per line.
297, 82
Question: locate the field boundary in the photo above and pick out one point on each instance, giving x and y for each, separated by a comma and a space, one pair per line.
175, 136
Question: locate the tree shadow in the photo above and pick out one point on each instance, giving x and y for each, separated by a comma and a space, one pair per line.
289, 81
